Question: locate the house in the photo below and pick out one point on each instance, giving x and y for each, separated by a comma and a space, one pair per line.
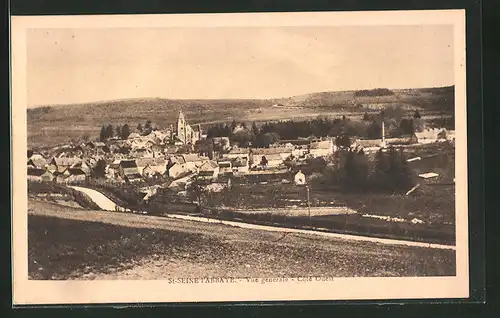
176, 170
75, 175
170, 150
404, 140
270, 161
430, 135
141, 153
322, 148
237, 153
37, 163
281, 152
225, 166
300, 178
61, 164
133, 136
367, 144
133, 178
450, 135
221, 143
192, 161
240, 165
40, 175
209, 169
151, 166
128, 168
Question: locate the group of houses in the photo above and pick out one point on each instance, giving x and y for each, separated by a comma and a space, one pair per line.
170, 153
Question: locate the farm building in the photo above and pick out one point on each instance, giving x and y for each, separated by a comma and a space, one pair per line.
240, 165
128, 168
75, 175
154, 165
430, 135
225, 166
237, 153
37, 163
270, 161
40, 175
61, 164
322, 148
209, 169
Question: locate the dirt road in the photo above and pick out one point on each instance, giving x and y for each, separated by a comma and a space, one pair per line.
67, 243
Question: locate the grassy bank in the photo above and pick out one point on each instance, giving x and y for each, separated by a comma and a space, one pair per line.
116, 248
37, 189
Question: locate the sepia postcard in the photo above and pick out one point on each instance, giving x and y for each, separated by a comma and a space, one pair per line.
239, 157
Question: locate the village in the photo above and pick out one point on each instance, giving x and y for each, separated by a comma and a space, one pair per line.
171, 158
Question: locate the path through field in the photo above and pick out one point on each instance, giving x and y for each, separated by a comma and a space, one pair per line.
100, 199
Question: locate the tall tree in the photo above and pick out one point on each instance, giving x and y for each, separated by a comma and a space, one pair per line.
99, 169
139, 128
233, 125
417, 114
118, 131
103, 135
109, 131
125, 131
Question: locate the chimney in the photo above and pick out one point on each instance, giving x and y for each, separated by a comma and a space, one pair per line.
383, 134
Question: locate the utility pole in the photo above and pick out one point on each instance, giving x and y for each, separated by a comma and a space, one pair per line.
308, 203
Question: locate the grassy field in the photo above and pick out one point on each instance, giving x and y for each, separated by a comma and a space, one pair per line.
67, 243
57, 124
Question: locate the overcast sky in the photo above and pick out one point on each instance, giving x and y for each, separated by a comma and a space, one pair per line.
82, 65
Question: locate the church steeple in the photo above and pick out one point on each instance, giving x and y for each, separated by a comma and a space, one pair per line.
181, 127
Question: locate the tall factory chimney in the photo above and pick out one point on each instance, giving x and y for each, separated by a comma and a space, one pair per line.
383, 134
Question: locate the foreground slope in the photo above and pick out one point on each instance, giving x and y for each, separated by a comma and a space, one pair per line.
67, 243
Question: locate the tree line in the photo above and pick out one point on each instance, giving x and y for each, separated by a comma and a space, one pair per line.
395, 122
123, 131
389, 172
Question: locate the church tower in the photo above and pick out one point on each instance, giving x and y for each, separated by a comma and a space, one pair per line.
181, 127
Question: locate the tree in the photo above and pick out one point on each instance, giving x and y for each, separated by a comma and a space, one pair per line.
99, 170
255, 129
205, 147
355, 172
263, 161
118, 131
366, 117
139, 128
373, 131
109, 131
233, 125
242, 138
343, 141
417, 114
103, 135
125, 131
268, 139
197, 192
406, 126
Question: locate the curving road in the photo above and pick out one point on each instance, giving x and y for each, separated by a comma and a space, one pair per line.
100, 199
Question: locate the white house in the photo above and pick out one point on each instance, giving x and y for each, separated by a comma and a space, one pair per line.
300, 178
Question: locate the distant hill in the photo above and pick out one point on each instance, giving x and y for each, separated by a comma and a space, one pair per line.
57, 124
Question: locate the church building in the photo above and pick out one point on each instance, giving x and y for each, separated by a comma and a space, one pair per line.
185, 132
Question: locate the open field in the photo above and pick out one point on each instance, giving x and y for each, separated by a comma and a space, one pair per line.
57, 124
69, 243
